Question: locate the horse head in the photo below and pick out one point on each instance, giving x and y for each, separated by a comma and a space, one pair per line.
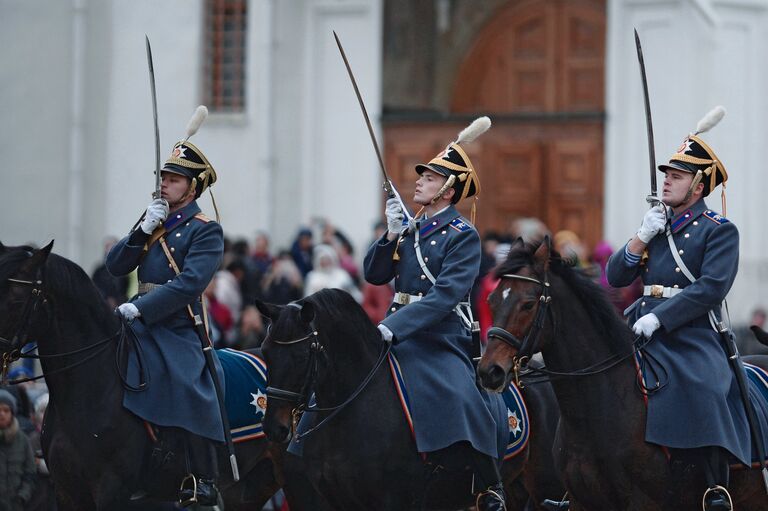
519, 305
22, 293
291, 350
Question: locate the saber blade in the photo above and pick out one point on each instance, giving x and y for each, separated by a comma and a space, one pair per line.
156, 194
652, 198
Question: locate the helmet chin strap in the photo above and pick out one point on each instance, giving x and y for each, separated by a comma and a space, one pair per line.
448, 183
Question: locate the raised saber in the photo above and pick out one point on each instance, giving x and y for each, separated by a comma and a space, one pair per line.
156, 194
653, 198
388, 186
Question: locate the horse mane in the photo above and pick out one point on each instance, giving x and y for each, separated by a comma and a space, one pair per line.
61, 278
589, 294
337, 310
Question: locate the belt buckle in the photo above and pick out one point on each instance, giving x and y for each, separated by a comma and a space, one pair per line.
405, 299
657, 291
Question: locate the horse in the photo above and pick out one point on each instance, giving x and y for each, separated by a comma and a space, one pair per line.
589, 354
98, 453
361, 452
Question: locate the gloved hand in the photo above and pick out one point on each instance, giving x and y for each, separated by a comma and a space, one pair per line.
128, 311
156, 213
386, 333
394, 212
654, 222
646, 325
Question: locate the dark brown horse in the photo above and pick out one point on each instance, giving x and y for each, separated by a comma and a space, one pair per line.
543, 303
98, 452
362, 454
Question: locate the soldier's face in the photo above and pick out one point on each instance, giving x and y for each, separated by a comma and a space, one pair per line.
173, 187
676, 184
428, 184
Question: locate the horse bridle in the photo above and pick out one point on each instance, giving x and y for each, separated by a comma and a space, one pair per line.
530, 344
300, 400
12, 347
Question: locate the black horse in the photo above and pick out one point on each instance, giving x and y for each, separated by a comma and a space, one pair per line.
361, 454
600, 448
98, 453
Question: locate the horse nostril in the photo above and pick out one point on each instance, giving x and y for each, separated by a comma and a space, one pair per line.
493, 378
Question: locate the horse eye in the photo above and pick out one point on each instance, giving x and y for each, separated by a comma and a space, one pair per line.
528, 306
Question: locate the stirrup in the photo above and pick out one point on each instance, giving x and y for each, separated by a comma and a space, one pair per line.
491, 491
193, 498
716, 489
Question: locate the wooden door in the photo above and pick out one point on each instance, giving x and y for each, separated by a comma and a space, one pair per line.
537, 70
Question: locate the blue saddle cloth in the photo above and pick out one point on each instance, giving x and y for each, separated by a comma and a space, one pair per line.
517, 414
246, 393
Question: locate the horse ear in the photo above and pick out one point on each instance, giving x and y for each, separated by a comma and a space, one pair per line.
307, 312
2, 247
268, 310
39, 257
541, 257
518, 243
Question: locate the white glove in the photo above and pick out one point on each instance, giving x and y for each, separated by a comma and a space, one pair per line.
386, 333
646, 325
654, 222
394, 212
129, 311
156, 213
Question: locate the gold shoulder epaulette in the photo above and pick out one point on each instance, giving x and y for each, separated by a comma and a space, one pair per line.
202, 218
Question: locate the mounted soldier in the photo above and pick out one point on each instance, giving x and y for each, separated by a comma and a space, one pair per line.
434, 262
177, 250
687, 256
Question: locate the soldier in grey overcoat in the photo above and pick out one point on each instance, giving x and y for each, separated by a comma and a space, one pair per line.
180, 391
697, 412
433, 263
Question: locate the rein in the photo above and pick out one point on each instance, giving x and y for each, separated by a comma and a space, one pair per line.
20, 339
529, 346
302, 398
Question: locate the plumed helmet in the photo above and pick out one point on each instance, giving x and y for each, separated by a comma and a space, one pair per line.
696, 157
188, 160
453, 163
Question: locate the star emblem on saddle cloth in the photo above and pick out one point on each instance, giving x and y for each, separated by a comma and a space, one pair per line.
514, 422
685, 146
259, 401
178, 151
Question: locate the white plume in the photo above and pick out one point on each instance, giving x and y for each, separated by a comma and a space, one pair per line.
201, 112
474, 130
710, 120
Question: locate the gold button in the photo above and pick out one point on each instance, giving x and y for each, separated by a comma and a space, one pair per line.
642, 304
687, 235
695, 222
169, 280
170, 265
443, 232
675, 286
178, 235
420, 294
681, 252
178, 216
393, 309
677, 269
423, 277
687, 215
173, 249
434, 223
433, 242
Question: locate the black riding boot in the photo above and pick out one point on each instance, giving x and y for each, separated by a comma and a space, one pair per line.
716, 469
200, 485
488, 479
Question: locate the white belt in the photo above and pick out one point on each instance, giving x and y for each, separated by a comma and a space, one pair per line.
659, 291
405, 298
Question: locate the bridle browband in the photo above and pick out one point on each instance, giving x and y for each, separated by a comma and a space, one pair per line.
529, 345
301, 399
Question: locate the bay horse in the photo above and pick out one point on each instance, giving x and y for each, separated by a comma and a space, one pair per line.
96, 450
600, 447
361, 453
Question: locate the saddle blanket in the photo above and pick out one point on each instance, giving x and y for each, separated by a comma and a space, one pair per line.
517, 414
245, 395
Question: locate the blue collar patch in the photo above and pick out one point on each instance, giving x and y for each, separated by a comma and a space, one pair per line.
430, 227
682, 220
